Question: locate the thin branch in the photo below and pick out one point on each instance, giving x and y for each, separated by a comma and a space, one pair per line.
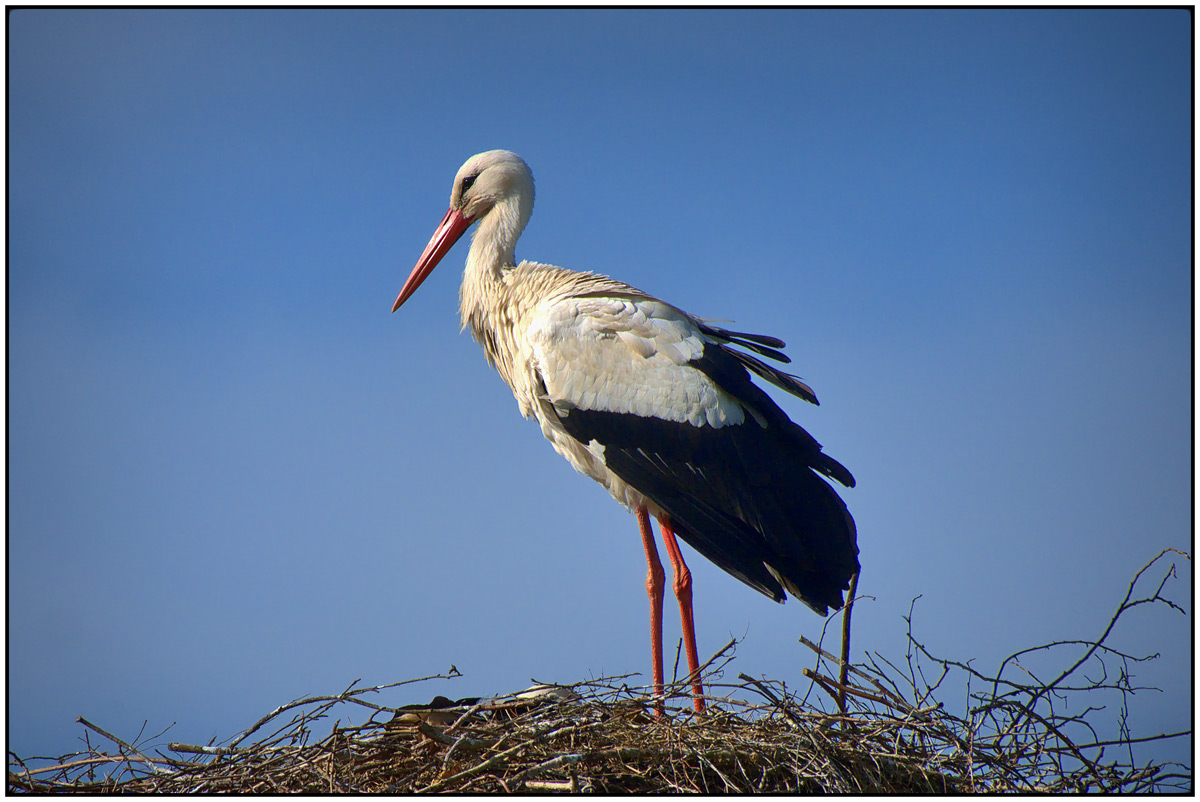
119, 742
845, 664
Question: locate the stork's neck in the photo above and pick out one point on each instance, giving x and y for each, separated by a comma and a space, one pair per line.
493, 247
495, 240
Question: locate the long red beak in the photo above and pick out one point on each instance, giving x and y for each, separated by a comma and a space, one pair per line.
452, 227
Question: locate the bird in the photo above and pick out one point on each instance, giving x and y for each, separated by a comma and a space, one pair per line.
655, 404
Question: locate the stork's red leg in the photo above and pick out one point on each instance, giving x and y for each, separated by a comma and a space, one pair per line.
683, 592
654, 589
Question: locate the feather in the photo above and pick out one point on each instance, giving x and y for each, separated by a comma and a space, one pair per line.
739, 495
759, 343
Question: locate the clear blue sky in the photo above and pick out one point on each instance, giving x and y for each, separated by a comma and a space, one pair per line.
236, 479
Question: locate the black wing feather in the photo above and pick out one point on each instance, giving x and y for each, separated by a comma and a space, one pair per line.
759, 343
671, 464
743, 495
766, 346
784, 381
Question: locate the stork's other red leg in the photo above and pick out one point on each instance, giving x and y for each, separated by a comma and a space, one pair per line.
683, 592
654, 589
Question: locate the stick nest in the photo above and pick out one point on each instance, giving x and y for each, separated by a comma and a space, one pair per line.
874, 727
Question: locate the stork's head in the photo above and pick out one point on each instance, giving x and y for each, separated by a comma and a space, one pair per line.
494, 188
491, 178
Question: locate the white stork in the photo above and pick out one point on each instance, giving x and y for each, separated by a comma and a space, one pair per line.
654, 404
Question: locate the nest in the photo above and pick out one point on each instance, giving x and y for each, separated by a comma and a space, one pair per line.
863, 729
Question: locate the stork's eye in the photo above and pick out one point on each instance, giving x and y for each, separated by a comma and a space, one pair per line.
466, 183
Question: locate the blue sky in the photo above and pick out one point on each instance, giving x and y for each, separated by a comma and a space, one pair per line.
235, 479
